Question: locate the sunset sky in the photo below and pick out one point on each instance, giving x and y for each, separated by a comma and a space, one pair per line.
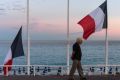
48, 19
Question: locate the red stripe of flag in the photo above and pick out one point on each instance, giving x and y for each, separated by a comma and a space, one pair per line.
88, 25
6, 68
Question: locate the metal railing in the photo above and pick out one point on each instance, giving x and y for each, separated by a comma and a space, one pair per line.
34, 70
58, 69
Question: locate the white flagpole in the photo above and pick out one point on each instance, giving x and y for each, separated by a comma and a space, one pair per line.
28, 39
68, 38
106, 51
106, 48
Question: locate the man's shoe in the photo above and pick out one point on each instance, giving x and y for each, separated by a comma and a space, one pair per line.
71, 78
84, 78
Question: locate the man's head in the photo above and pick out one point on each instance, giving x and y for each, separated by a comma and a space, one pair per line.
79, 40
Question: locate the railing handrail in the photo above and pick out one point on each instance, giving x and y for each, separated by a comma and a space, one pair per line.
100, 65
62, 67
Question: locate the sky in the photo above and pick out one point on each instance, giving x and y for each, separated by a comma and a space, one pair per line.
48, 19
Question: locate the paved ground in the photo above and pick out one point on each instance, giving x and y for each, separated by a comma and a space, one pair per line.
110, 77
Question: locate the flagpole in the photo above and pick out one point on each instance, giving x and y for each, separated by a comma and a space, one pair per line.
28, 40
68, 38
106, 51
106, 48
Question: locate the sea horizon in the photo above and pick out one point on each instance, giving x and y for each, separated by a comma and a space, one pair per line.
54, 52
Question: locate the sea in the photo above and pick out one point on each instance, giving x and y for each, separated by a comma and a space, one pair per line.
54, 53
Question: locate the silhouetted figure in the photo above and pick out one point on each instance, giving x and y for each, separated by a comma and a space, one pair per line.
0, 70
110, 71
45, 71
116, 70
59, 71
14, 71
31, 70
26, 73
38, 69
92, 69
23, 70
101, 69
49, 70
19, 70
104, 70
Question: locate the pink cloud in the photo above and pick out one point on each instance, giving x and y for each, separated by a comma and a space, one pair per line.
49, 27
60, 27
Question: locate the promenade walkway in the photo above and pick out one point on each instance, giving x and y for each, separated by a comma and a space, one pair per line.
95, 77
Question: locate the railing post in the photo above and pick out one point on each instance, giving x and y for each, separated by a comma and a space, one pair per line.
34, 70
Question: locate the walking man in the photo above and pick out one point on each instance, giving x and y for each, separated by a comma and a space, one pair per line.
76, 58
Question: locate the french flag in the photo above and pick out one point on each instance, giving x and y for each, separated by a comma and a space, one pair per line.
16, 50
95, 21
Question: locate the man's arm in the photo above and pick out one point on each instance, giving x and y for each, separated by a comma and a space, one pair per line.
74, 48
